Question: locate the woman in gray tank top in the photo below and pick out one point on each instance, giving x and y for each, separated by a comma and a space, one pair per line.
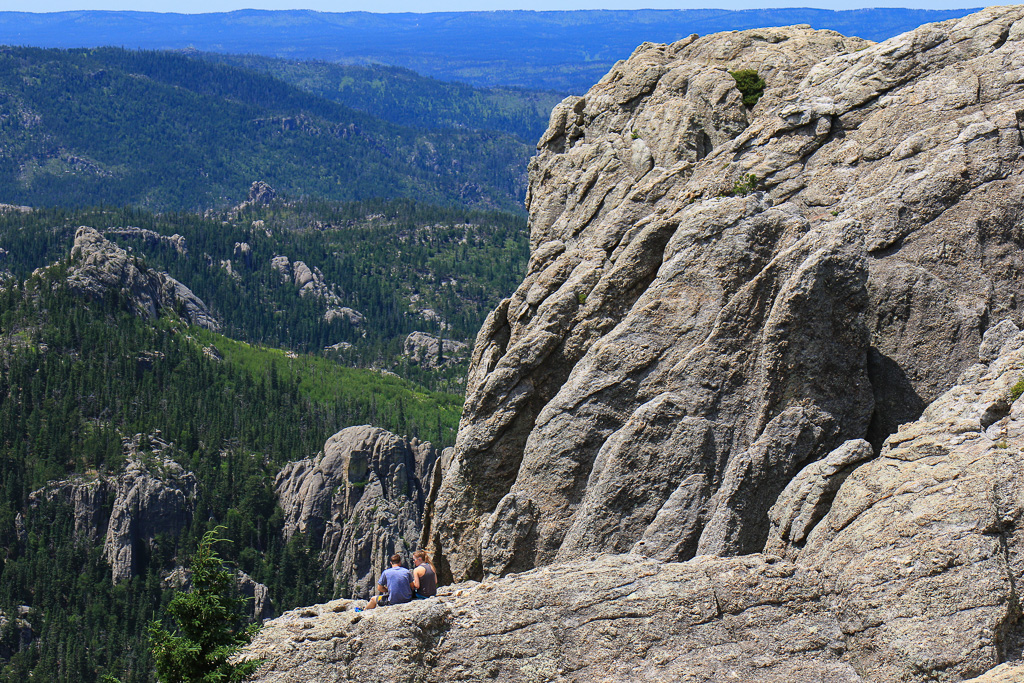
424, 580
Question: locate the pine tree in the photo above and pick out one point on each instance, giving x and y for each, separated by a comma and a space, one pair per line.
209, 626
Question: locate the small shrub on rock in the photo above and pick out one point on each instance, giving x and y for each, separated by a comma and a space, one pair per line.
749, 84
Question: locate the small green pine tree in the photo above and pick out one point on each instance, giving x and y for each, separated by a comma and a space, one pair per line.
209, 626
749, 84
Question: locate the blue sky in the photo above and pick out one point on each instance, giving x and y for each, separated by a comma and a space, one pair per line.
198, 6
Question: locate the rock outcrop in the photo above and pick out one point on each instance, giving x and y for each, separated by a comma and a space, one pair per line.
688, 340
349, 315
175, 241
18, 635
88, 497
310, 281
98, 267
362, 500
910, 576
431, 351
261, 605
153, 495
260, 194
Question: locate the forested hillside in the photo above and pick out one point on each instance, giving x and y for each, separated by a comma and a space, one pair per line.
76, 380
385, 269
161, 130
404, 97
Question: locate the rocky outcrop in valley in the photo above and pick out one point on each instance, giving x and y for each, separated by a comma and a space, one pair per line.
99, 267
430, 351
153, 495
361, 499
262, 607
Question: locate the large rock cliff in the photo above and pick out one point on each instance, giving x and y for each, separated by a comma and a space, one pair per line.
151, 496
361, 499
720, 296
100, 268
911, 575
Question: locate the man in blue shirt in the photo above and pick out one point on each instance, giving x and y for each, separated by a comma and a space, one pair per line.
396, 584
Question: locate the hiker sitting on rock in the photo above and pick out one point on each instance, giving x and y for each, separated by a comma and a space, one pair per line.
396, 584
424, 580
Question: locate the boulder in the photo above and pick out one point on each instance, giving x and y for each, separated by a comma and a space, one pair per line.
310, 281
430, 351
349, 315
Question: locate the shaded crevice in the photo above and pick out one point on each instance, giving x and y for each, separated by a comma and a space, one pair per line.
896, 400
994, 413
703, 146
1010, 638
1001, 40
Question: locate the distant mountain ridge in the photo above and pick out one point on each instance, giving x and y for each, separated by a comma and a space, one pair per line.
404, 97
564, 50
168, 132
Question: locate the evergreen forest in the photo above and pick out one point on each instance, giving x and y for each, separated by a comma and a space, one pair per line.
163, 131
78, 378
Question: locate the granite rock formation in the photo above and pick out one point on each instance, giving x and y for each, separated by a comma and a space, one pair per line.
249, 588
175, 241
361, 498
431, 351
99, 267
910, 576
720, 296
88, 498
310, 281
349, 315
20, 632
152, 495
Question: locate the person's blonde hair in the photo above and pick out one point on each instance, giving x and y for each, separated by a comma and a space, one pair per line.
422, 555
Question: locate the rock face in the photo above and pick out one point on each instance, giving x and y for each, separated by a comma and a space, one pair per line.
349, 315
152, 496
260, 194
99, 266
683, 348
911, 575
88, 498
21, 630
175, 241
361, 498
431, 351
310, 281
